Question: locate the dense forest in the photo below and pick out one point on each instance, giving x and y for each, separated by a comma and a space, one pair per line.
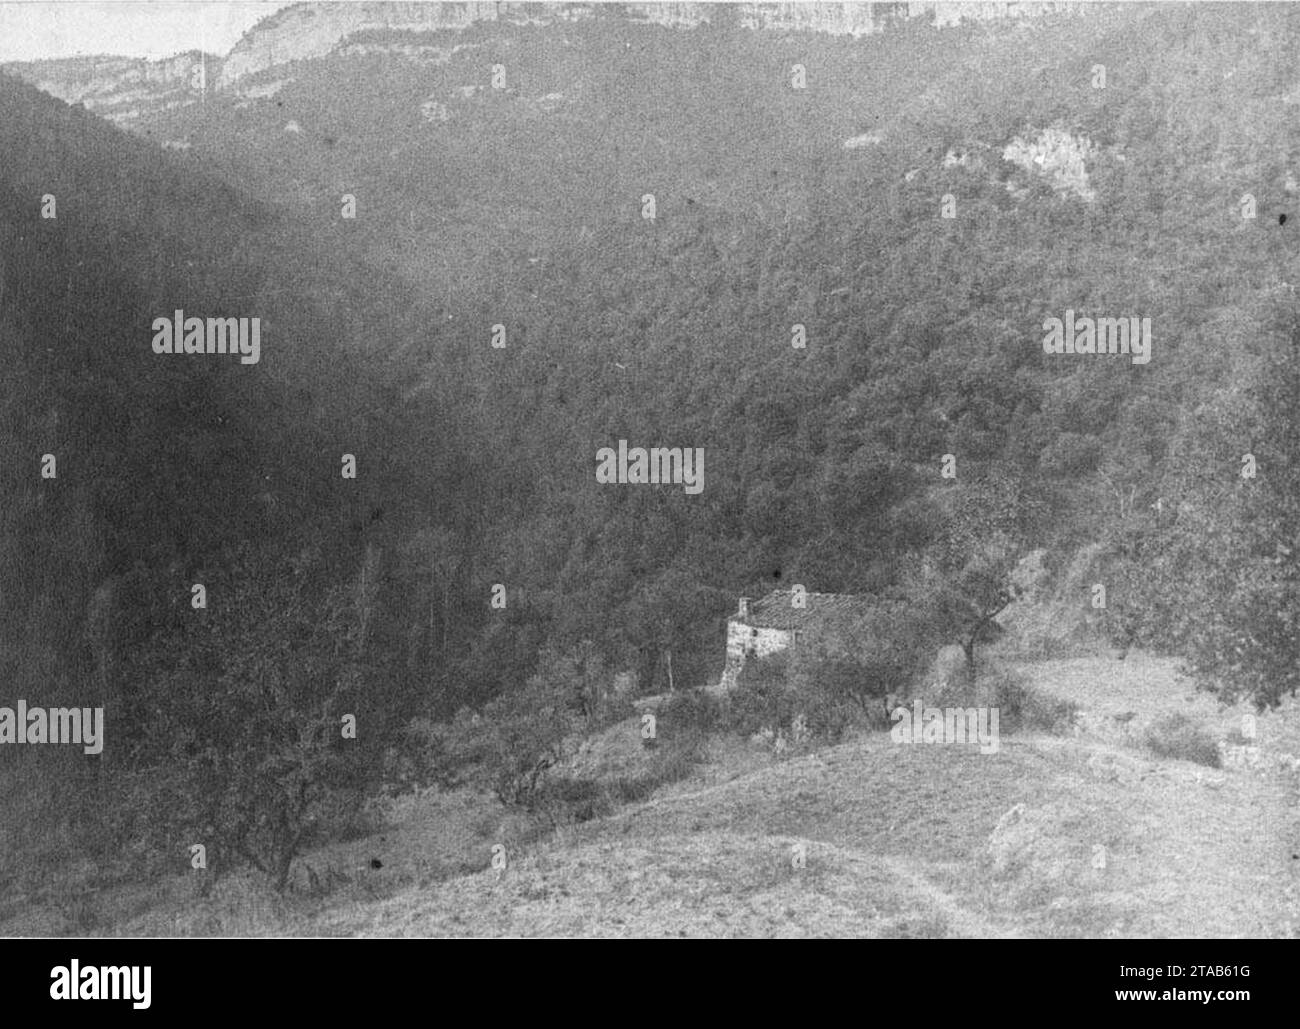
921, 341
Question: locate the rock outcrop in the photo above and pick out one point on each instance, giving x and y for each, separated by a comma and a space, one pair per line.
122, 89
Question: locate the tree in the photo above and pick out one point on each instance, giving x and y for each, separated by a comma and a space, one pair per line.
966, 580
1247, 641
511, 745
872, 659
248, 721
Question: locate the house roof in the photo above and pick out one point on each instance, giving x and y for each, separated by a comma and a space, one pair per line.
776, 612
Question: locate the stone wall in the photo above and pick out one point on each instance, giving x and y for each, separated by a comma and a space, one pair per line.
743, 640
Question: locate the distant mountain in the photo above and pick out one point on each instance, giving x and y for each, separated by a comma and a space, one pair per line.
315, 29
121, 89
124, 89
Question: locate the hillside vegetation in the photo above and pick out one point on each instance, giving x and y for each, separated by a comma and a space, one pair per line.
524, 207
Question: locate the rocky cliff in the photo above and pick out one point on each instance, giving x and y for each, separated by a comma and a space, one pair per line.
122, 88
310, 30
315, 29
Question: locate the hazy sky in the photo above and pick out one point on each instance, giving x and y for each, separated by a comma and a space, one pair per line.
31, 29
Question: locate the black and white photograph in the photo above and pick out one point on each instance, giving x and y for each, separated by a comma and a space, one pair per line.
650, 471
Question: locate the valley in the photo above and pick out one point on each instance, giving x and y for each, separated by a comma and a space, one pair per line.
980, 312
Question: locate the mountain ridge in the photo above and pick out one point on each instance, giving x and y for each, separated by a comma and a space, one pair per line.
122, 89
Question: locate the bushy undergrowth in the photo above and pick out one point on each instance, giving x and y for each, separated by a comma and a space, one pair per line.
827, 696
682, 730
1178, 736
1023, 706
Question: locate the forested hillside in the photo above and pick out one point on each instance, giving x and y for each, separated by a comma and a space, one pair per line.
823, 207
168, 471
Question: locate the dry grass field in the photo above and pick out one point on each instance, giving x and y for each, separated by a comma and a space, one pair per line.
1086, 834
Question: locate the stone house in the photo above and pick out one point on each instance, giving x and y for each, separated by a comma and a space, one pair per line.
793, 618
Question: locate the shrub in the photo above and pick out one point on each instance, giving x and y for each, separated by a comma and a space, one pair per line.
838, 693
566, 800
827, 696
418, 757
511, 746
846, 678
1022, 706
525, 739
610, 710
689, 710
762, 698
678, 757
768, 707
1179, 737
682, 734
1237, 738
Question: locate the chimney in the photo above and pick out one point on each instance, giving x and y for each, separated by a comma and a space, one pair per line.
744, 608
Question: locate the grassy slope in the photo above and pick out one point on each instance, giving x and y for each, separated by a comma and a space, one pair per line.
897, 837
897, 843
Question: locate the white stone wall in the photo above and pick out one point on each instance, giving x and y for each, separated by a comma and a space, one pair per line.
743, 640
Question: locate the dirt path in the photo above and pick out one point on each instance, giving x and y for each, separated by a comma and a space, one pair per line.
962, 921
